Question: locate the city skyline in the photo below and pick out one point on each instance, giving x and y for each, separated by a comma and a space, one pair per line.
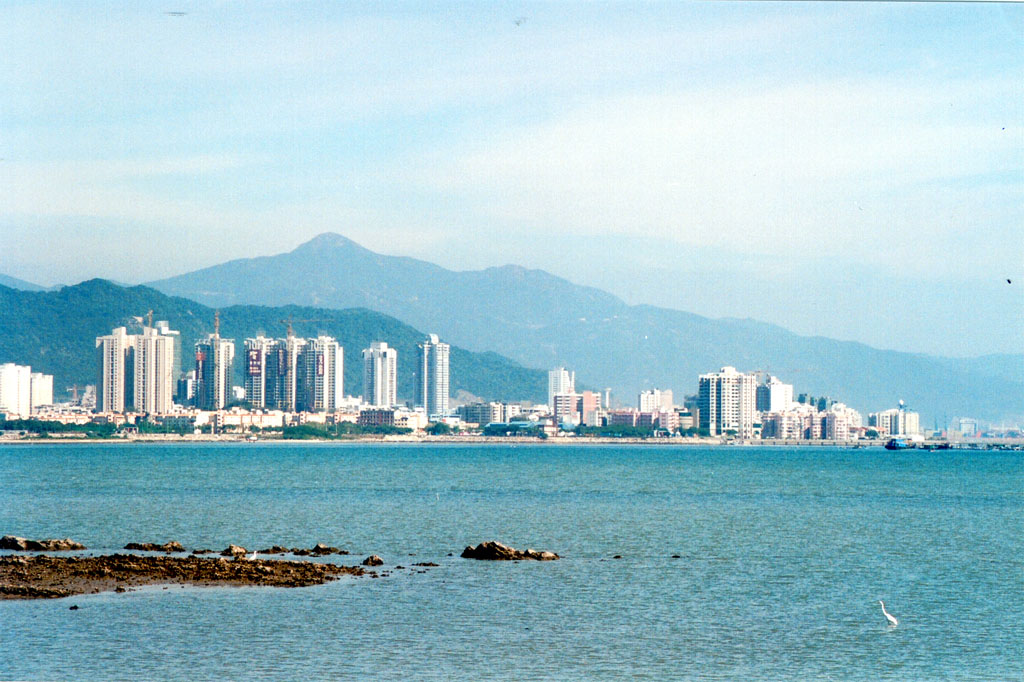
846, 170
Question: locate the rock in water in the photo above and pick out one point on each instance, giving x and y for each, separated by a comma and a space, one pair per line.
234, 550
373, 560
24, 545
168, 547
495, 551
322, 550
276, 549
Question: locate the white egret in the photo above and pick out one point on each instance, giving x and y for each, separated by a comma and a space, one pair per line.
888, 616
253, 557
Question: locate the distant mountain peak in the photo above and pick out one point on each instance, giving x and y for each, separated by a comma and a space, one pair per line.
329, 240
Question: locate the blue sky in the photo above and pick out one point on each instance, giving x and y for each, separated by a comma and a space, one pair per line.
851, 170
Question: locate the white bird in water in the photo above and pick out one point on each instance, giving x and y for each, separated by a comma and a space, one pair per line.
253, 557
888, 616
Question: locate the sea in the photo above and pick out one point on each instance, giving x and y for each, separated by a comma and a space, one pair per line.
735, 563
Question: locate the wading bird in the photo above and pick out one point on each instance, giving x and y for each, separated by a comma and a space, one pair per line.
888, 616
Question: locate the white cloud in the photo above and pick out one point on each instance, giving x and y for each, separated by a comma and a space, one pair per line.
825, 166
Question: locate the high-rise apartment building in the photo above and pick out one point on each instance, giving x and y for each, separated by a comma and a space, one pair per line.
560, 382
40, 390
773, 395
566, 409
163, 328
115, 371
655, 400
16, 390
590, 408
380, 375
214, 360
322, 369
432, 377
284, 372
153, 378
727, 402
258, 352
898, 421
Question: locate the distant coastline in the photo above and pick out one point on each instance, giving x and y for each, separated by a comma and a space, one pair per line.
1014, 443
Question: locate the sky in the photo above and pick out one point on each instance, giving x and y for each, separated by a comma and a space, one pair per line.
852, 170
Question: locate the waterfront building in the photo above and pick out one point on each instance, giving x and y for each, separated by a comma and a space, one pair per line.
799, 422
565, 408
40, 391
560, 382
773, 395
322, 366
377, 416
898, 421
415, 420
627, 417
655, 400
16, 390
432, 377
214, 360
153, 371
853, 418
965, 426
115, 371
668, 420
380, 375
483, 413
727, 402
835, 426
590, 408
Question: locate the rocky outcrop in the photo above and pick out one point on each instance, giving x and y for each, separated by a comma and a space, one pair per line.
495, 551
276, 549
17, 544
168, 547
323, 550
235, 551
373, 560
320, 549
42, 576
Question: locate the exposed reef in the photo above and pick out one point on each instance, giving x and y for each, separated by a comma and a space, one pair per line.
41, 576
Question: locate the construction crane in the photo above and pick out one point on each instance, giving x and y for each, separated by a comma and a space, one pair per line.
290, 321
73, 390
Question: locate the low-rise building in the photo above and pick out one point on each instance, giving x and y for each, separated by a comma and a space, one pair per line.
377, 416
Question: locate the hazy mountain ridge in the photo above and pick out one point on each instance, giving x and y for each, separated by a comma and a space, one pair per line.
55, 333
20, 284
542, 320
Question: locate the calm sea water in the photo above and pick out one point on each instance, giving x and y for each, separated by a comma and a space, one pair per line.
784, 556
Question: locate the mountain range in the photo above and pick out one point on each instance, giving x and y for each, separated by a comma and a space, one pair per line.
55, 332
20, 284
541, 320
501, 321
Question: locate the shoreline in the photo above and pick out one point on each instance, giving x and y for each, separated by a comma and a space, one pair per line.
499, 440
